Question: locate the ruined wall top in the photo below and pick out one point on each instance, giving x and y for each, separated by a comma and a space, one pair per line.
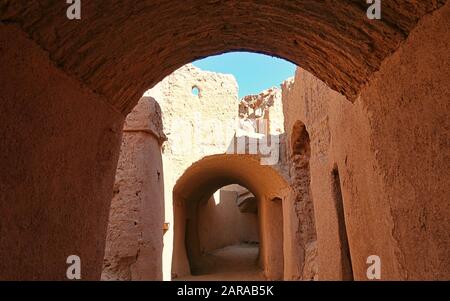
199, 109
265, 107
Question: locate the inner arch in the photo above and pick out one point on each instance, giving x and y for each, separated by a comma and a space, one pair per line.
205, 177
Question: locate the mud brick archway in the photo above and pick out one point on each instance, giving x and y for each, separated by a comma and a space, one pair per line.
120, 48
66, 87
202, 179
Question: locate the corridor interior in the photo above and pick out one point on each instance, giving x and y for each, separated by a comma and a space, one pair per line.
229, 237
109, 149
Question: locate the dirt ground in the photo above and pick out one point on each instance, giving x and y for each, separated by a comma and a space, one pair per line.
237, 262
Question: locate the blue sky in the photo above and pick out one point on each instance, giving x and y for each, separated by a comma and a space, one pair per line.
254, 72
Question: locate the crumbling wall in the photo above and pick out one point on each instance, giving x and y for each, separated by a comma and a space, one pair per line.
261, 116
392, 152
134, 240
262, 113
300, 225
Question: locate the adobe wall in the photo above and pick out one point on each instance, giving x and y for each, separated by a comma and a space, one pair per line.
134, 240
392, 150
59, 149
265, 107
221, 223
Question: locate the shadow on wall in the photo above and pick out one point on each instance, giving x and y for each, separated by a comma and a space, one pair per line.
346, 261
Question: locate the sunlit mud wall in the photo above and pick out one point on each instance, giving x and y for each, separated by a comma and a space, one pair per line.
199, 114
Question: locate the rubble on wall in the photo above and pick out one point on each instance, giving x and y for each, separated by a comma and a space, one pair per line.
262, 113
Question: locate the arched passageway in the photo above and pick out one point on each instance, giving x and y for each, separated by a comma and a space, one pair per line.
67, 85
222, 236
197, 185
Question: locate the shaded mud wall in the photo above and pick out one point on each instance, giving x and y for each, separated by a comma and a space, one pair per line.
134, 242
59, 149
270, 213
267, 229
392, 151
210, 227
221, 223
